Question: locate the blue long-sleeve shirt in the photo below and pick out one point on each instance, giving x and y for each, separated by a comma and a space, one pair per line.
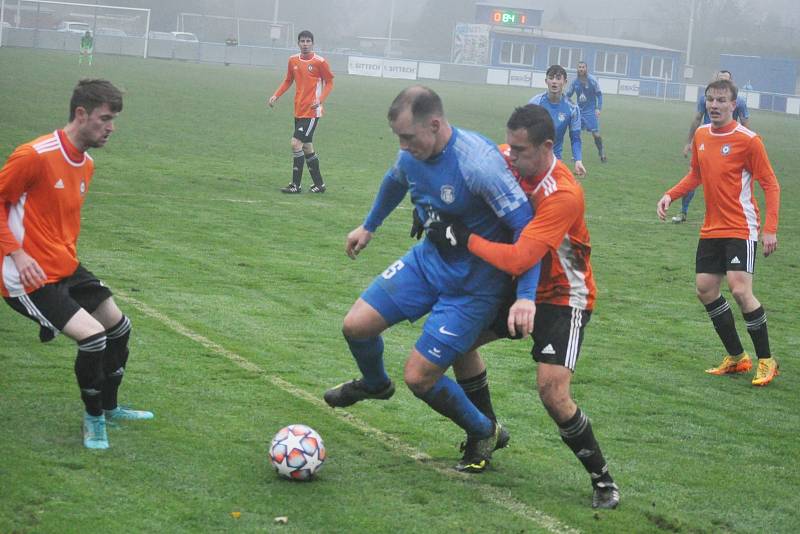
469, 180
566, 116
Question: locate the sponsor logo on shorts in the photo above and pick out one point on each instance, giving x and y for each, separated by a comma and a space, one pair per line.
445, 331
435, 352
549, 349
735, 260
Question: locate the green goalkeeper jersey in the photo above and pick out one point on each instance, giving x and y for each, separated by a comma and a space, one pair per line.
87, 42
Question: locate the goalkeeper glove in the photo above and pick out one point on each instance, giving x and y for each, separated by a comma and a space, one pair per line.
446, 235
417, 226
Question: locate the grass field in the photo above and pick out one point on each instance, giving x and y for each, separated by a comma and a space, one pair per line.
237, 292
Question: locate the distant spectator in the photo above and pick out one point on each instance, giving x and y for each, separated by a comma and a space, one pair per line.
87, 48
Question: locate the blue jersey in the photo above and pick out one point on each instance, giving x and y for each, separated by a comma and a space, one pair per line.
469, 180
565, 115
589, 96
739, 114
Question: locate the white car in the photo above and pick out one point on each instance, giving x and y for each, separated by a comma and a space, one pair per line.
115, 32
185, 36
73, 27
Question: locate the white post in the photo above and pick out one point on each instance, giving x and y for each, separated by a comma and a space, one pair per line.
691, 31
2, 19
147, 34
275, 10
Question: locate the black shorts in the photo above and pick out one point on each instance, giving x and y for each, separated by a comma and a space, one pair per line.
557, 333
53, 305
304, 128
718, 256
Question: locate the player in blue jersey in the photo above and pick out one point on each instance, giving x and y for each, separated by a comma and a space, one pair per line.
565, 115
590, 101
450, 174
740, 113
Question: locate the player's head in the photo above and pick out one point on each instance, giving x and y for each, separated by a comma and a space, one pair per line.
416, 117
725, 75
721, 101
87, 34
583, 68
555, 77
305, 40
530, 135
92, 110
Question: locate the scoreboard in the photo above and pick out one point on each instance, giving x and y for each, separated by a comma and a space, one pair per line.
507, 16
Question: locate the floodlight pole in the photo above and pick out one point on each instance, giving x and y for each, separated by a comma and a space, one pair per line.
388, 50
2, 14
275, 10
689, 43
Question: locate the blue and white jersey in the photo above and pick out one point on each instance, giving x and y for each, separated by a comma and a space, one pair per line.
470, 181
589, 96
739, 114
565, 115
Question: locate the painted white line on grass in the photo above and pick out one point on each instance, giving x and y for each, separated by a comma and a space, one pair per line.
500, 497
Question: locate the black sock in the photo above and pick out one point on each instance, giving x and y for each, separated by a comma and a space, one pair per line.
89, 372
313, 168
721, 315
297, 167
756, 322
577, 434
598, 142
477, 390
114, 361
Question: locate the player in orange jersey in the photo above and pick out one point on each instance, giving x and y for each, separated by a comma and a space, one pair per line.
42, 188
313, 83
726, 159
557, 236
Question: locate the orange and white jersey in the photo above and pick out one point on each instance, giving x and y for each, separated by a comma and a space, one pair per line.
726, 162
313, 80
42, 188
557, 235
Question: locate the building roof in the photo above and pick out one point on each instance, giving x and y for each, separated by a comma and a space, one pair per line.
580, 38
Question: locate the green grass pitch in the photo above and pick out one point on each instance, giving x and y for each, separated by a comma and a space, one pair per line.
237, 293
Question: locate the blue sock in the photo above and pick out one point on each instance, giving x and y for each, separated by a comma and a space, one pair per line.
369, 357
687, 198
449, 399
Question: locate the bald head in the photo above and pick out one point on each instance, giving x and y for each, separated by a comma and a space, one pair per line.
422, 101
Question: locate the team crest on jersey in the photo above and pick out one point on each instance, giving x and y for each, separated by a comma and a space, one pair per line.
561, 117
83, 188
726, 149
311, 68
448, 194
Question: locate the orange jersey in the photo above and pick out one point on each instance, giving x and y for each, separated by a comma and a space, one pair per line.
557, 235
42, 188
313, 80
725, 162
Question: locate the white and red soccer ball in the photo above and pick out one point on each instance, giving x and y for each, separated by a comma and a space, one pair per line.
297, 452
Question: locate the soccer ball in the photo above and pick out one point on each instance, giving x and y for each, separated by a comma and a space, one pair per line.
297, 452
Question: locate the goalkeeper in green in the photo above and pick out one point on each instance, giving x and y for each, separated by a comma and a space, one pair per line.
87, 48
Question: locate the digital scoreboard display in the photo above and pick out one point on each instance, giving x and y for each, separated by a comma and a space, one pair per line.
507, 17
514, 17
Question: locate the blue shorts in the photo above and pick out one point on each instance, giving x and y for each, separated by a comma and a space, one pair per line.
403, 292
589, 121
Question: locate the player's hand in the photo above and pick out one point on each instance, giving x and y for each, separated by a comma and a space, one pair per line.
315, 105
663, 206
357, 240
417, 226
580, 170
272, 100
597, 113
520, 317
447, 234
687, 149
30, 273
769, 243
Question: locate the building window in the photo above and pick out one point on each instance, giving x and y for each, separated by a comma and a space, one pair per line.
566, 57
656, 67
512, 53
611, 63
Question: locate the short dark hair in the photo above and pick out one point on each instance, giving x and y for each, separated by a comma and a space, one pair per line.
305, 33
536, 120
424, 102
90, 94
555, 70
729, 73
724, 85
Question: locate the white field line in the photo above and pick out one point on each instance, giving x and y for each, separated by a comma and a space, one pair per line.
499, 497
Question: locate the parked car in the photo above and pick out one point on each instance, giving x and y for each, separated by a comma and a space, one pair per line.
167, 36
73, 27
185, 36
114, 32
